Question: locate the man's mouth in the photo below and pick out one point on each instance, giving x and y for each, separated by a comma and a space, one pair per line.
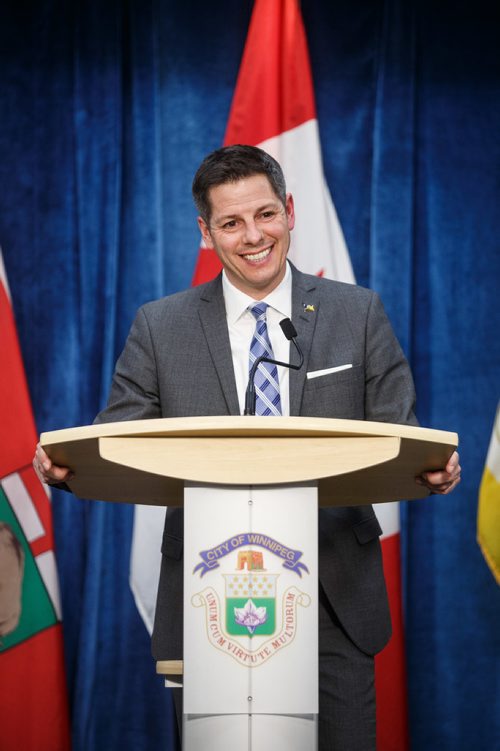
255, 257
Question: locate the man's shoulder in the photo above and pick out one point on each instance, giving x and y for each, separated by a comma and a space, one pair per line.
333, 289
180, 302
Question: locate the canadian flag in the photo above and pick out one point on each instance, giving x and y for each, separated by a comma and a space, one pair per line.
273, 107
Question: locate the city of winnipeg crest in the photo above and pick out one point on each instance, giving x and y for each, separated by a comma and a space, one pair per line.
251, 604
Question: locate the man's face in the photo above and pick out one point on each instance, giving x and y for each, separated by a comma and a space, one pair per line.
250, 231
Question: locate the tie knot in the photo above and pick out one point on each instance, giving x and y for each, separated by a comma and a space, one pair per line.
259, 310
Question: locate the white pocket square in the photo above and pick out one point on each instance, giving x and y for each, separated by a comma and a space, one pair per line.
327, 371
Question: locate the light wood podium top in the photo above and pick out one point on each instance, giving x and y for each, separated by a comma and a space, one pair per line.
147, 461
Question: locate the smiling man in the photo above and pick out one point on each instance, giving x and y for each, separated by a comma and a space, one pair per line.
189, 354
248, 223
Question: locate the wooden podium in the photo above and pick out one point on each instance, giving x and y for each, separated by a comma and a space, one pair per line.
250, 487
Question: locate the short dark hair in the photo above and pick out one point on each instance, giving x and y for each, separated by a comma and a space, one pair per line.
230, 164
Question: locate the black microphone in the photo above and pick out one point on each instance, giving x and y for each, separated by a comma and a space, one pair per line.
290, 332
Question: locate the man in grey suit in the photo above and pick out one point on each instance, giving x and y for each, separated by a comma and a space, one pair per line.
188, 354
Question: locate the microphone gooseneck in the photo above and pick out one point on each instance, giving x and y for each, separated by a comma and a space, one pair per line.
290, 332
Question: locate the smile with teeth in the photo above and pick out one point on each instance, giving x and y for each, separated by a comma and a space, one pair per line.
257, 256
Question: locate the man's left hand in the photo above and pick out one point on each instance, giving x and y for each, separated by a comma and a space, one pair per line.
443, 480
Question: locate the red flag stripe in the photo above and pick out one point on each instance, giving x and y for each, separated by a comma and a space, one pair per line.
17, 429
274, 90
390, 664
33, 704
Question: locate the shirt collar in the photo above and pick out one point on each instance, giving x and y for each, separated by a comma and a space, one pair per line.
237, 302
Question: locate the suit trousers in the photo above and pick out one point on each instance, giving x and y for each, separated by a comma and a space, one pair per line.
347, 714
347, 710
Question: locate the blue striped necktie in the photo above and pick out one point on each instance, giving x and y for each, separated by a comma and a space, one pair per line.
267, 390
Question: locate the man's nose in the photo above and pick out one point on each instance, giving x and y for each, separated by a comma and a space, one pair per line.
252, 233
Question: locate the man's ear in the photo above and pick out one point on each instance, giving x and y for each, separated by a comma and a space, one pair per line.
290, 211
205, 232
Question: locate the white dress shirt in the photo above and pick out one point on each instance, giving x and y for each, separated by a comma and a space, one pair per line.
241, 326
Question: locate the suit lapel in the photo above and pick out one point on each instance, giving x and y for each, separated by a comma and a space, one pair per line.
214, 324
305, 308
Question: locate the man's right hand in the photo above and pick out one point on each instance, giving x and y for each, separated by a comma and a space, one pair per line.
47, 472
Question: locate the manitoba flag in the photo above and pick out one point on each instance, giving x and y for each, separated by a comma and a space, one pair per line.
33, 702
273, 107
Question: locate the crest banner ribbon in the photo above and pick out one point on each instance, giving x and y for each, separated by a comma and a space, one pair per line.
291, 558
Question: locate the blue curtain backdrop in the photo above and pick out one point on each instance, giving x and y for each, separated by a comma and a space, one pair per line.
106, 109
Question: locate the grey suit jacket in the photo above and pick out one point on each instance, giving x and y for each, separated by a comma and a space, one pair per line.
177, 362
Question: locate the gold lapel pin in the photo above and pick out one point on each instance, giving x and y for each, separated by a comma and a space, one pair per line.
308, 308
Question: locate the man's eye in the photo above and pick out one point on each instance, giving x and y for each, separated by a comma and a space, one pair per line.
229, 225
268, 214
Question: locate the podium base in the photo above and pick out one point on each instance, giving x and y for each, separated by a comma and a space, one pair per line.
262, 732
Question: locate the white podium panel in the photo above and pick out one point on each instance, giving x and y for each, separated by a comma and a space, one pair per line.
250, 614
